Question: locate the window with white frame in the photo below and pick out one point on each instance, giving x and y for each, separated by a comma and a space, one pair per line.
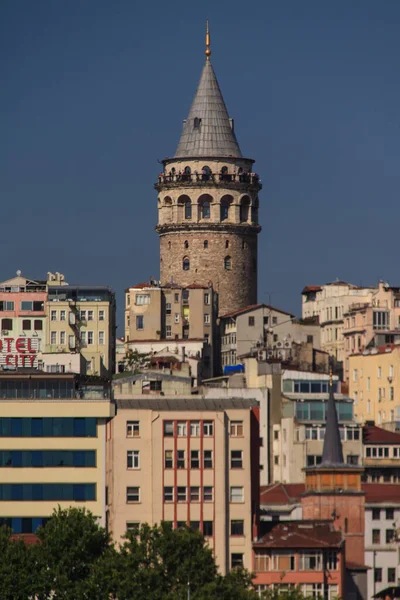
181, 494
208, 428
181, 428
169, 459
206, 298
132, 494
208, 459
180, 459
195, 459
62, 315
101, 338
101, 315
82, 314
132, 429
236, 494
53, 337
133, 459
62, 338
208, 493
194, 428
168, 331
168, 494
332, 560
53, 315
236, 459
142, 299
133, 526
236, 429
168, 308
310, 561
194, 494
90, 338
207, 319
90, 315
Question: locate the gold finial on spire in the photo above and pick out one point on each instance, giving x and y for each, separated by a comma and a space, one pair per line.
330, 373
208, 43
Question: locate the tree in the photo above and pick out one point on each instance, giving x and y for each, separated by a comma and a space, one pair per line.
135, 361
17, 568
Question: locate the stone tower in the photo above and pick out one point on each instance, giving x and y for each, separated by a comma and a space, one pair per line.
208, 203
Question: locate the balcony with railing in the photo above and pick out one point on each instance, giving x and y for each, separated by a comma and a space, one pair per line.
222, 179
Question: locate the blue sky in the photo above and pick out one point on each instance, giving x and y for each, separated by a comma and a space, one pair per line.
94, 93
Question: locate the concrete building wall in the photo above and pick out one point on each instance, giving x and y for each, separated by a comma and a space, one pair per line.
379, 553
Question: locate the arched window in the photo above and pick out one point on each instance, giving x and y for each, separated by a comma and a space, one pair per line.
244, 209
204, 204
186, 174
205, 244
186, 244
188, 209
188, 170
244, 245
224, 176
205, 173
186, 264
226, 243
169, 245
226, 202
227, 263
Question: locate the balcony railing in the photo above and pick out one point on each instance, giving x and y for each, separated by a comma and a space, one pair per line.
222, 179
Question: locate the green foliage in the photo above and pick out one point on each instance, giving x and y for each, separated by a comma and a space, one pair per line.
135, 361
76, 560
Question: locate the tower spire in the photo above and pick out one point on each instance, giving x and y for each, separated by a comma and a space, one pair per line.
208, 42
332, 454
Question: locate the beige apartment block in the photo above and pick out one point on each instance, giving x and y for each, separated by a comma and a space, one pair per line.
367, 322
52, 446
188, 461
172, 316
81, 319
374, 384
329, 303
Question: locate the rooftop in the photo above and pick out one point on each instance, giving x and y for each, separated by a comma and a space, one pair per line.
187, 404
300, 534
282, 494
252, 307
376, 435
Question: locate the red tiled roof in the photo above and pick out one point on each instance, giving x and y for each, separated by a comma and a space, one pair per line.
197, 286
311, 288
382, 492
141, 286
376, 435
255, 307
281, 493
301, 534
353, 566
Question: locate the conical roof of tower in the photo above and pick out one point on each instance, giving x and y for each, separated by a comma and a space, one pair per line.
332, 454
208, 130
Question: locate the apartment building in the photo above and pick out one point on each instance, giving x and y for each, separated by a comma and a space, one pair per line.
172, 316
381, 454
188, 461
52, 445
374, 384
81, 319
330, 302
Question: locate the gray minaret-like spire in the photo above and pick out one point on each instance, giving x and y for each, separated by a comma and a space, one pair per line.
208, 130
332, 454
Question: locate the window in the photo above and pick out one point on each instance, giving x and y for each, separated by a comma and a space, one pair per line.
276, 460
390, 514
186, 244
236, 494
194, 428
90, 315
6, 324
376, 536
132, 459
53, 315
140, 300
26, 325
132, 429
82, 315
227, 263
208, 428
352, 459
207, 298
236, 560
207, 528
186, 264
168, 494
390, 536
310, 561
391, 393
139, 322
101, 315
251, 321
34, 306
90, 338
276, 434
379, 372
236, 459
181, 429
194, 494
62, 338
376, 514
132, 494
53, 337
180, 459
168, 459
205, 209
101, 338
226, 243
6, 305
237, 527
188, 209
332, 560
208, 495
195, 459
391, 575
168, 428
378, 575
181, 494
208, 460
236, 429
133, 526
38, 325
168, 331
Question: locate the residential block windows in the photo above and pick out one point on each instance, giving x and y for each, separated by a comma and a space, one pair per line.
194, 494
391, 575
53, 315
90, 338
208, 494
251, 321
236, 494
181, 494
101, 315
181, 428
236, 428
90, 315
236, 459
194, 428
180, 459
168, 428
195, 459
132, 429
376, 536
132, 458
5, 306
101, 338
310, 561
132, 494
237, 527
378, 575
390, 536
139, 322
142, 299
208, 459
236, 560
168, 494
208, 428
208, 528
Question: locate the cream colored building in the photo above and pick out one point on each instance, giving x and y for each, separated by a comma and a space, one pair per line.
374, 384
329, 303
187, 461
172, 316
81, 319
52, 446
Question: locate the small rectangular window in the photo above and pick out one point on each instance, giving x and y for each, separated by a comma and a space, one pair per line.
53, 315
194, 459
132, 429
139, 322
236, 560
251, 321
181, 428
376, 536
237, 527
236, 494
208, 428
181, 494
38, 325
101, 315
236, 428
101, 338
194, 494
169, 459
208, 460
180, 459
376, 514
168, 494
168, 428
132, 494
208, 495
133, 461
208, 528
26, 325
236, 459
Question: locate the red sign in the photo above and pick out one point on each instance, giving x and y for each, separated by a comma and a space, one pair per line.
18, 352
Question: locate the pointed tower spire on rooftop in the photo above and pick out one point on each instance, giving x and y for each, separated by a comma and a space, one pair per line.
208, 130
332, 454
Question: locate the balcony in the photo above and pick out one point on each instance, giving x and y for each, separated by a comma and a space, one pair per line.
236, 181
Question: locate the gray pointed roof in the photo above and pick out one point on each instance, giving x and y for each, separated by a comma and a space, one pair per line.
332, 454
214, 136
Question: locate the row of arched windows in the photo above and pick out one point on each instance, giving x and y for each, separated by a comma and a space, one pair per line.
186, 263
205, 244
204, 207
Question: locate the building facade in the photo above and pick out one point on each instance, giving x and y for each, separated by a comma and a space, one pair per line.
52, 446
208, 204
381, 455
188, 461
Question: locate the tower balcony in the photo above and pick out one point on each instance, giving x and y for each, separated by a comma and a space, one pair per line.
234, 181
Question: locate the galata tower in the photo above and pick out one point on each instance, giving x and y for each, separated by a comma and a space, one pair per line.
208, 203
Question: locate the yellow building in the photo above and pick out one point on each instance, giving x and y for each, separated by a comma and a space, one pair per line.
374, 384
52, 446
81, 319
188, 461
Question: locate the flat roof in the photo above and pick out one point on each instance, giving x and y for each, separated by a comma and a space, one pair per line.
186, 404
